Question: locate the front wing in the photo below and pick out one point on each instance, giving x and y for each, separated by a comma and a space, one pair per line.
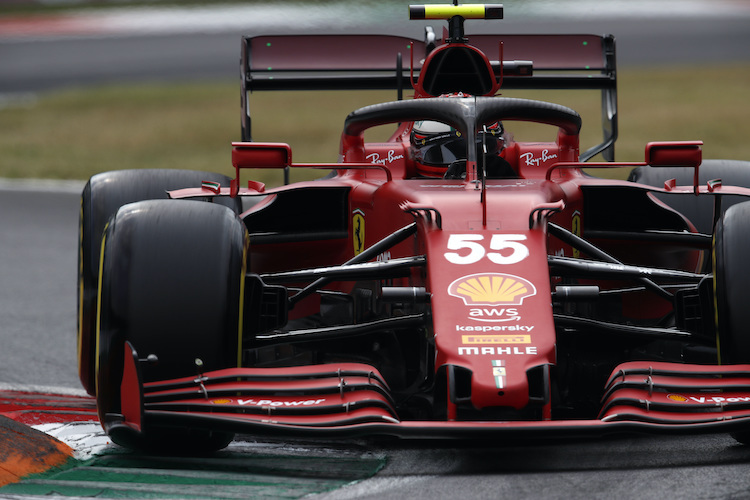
353, 400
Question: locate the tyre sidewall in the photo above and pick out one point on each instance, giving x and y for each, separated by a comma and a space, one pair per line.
172, 284
732, 283
102, 196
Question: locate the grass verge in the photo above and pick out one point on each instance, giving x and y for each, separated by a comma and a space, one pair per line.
74, 134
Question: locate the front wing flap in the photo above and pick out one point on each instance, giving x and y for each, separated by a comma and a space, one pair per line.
671, 393
353, 400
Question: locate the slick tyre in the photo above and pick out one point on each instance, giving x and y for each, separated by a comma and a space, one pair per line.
172, 284
732, 284
698, 210
731, 289
101, 197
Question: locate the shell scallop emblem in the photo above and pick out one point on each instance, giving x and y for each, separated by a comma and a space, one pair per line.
491, 289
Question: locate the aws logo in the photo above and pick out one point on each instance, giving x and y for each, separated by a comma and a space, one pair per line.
491, 289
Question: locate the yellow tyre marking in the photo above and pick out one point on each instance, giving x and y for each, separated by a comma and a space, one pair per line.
99, 309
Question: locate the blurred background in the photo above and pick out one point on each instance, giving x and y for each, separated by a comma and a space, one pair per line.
94, 85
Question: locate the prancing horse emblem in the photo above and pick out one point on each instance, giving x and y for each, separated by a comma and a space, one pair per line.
358, 231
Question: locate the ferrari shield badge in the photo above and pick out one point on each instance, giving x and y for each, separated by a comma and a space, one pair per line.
358, 231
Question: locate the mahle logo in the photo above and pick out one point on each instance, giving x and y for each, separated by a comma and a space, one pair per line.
491, 289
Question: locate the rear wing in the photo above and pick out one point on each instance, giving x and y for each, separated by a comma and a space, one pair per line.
387, 62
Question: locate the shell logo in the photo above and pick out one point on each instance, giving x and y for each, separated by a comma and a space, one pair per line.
491, 289
221, 401
677, 397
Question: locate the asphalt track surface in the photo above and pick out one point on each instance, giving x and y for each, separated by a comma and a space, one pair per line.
38, 259
38, 244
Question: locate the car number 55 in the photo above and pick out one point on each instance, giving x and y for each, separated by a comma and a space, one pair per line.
503, 248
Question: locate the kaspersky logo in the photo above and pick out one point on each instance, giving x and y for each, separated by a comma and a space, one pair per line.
491, 289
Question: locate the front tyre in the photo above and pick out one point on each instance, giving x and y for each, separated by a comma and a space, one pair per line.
102, 196
732, 288
172, 284
732, 284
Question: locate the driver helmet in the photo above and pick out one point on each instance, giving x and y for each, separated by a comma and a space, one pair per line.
437, 145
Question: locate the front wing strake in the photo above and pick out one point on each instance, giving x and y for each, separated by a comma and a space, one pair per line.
349, 400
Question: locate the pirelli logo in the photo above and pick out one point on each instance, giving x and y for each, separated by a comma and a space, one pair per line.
495, 339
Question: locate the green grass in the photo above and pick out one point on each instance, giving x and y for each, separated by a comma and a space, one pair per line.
77, 133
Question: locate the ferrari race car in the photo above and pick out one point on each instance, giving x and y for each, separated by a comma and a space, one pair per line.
449, 282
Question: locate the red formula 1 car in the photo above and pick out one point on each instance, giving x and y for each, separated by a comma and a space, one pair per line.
450, 282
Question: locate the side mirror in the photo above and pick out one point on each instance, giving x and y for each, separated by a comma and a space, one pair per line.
258, 155
261, 155
674, 154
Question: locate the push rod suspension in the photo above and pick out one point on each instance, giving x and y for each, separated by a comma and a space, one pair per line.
339, 331
370, 253
584, 246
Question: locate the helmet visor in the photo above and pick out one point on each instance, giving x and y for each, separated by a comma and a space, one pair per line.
437, 143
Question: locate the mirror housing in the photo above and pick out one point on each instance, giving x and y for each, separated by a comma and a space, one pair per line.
258, 155
261, 155
674, 154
